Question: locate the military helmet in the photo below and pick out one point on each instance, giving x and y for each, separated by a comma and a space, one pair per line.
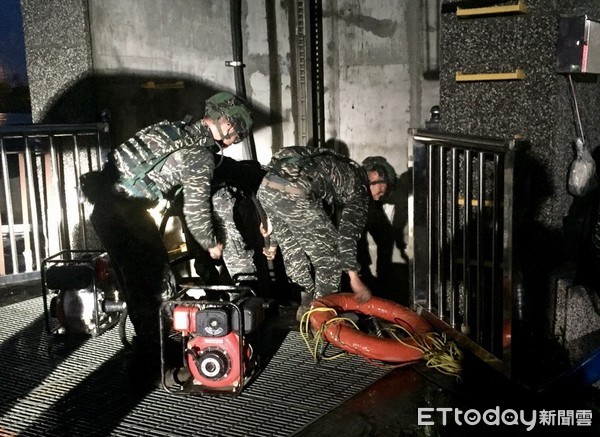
381, 166
236, 109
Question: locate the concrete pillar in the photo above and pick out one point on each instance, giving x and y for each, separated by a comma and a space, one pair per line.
58, 53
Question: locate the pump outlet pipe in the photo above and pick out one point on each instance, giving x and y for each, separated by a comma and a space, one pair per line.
238, 65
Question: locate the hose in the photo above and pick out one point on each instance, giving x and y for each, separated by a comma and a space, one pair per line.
238, 64
122, 329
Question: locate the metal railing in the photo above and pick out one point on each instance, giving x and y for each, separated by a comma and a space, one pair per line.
40, 211
460, 228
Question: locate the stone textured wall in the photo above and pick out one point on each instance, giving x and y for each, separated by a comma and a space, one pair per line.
58, 54
553, 233
538, 107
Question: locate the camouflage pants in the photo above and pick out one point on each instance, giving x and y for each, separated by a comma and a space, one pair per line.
237, 254
307, 239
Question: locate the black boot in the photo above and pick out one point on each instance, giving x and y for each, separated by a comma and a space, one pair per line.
305, 299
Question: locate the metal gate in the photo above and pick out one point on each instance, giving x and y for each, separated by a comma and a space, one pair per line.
40, 209
460, 227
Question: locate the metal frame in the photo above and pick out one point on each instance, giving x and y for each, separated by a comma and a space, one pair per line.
461, 230
77, 257
49, 156
232, 297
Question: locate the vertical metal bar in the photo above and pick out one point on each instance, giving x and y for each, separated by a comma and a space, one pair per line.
77, 167
303, 91
429, 226
89, 156
454, 219
33, 204
91, 167
466, 328
441, 226
99, 160
56, 195
495, 295
316, 55
2, 264
27, 255
103, 143
40, 166
49, 231
98, 148
9, 209
507, 275
480, 241
58, 186
2, 260
418, 224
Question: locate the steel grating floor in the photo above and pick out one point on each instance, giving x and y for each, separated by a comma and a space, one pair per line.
78, 387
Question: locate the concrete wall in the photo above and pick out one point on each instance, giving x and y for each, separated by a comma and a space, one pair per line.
137, 62
374, 82
112, 50
169, 41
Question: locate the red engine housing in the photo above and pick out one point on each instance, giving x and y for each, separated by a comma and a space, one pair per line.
215, 324
216, 361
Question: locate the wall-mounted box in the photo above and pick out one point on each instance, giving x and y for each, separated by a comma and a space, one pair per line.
578, 47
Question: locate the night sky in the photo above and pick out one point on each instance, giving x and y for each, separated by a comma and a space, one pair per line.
12, 46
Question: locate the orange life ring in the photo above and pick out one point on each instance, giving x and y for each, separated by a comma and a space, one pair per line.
344, 336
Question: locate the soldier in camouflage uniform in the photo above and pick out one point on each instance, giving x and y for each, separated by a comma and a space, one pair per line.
378, 226
234, 182
158, 162
300, 184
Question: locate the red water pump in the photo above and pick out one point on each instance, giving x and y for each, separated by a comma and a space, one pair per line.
80, 292
215, 324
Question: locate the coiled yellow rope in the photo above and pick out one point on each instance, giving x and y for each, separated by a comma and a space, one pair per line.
438, 352
318, 338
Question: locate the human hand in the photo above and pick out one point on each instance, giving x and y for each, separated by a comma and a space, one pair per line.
270, 252
216, 252
361, 292
266, 232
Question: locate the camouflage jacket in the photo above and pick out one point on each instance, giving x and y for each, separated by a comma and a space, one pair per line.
338, 181
164, 157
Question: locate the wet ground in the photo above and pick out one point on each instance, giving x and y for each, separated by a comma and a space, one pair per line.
419, 401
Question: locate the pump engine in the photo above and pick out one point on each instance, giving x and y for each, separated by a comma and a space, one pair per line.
216, 325
80, 292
